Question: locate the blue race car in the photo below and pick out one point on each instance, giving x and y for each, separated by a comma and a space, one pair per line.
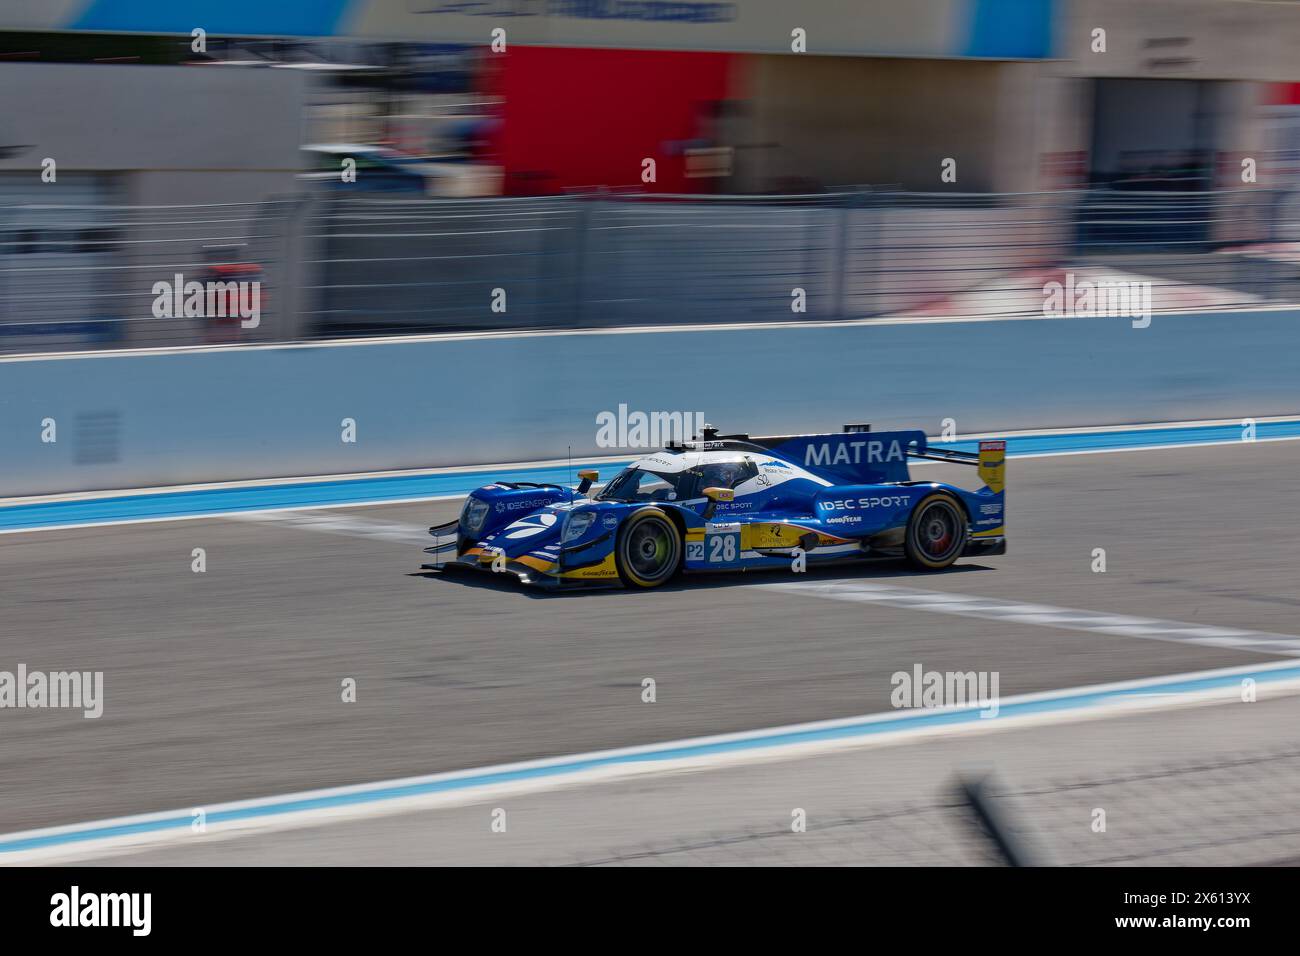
734, 503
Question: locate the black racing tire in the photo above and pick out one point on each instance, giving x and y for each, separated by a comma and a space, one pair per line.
936, 532
648, 551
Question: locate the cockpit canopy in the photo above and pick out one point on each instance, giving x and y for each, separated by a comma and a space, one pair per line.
678, 477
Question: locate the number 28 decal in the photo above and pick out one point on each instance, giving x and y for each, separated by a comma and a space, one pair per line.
722, 548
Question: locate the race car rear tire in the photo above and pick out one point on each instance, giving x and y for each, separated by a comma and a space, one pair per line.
649, 549
936, 532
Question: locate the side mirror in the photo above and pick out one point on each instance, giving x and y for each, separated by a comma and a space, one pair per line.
716, 495
588, 476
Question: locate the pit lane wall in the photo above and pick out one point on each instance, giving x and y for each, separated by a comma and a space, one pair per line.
143, 419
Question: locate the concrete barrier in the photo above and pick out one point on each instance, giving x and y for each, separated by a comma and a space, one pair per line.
125, 420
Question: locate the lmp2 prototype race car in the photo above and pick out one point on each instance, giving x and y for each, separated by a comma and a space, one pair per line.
734, 503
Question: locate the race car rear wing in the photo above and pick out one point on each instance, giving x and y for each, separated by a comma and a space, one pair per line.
991, 461
946, 454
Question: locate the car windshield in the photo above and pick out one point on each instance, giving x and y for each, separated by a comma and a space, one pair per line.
637, 484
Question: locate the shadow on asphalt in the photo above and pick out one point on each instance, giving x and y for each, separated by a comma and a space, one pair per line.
508, 582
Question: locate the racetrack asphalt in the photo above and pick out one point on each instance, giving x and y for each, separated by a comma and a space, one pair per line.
226, 684
1207, 786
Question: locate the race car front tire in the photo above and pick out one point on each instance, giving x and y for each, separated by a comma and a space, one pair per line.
936, 532
649, 549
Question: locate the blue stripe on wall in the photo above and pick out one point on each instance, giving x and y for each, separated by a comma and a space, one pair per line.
1017, 29
229, 17
1010, 29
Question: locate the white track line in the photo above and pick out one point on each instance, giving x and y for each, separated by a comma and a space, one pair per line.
343, 524
1042, 615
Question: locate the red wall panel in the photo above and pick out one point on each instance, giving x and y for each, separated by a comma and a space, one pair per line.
1283, 94
575, 118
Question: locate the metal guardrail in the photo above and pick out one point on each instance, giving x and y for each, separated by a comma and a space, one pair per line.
618, 259
88, 276
79, 277
1213, 811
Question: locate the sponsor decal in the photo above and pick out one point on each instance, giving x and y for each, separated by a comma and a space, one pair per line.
769, 536
873, 501
993, 464
854, 453
532, 525
504, 506
610, 521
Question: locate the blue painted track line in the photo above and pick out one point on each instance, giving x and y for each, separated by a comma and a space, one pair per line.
1115, 440
308, 494
194, 503
1080, 700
